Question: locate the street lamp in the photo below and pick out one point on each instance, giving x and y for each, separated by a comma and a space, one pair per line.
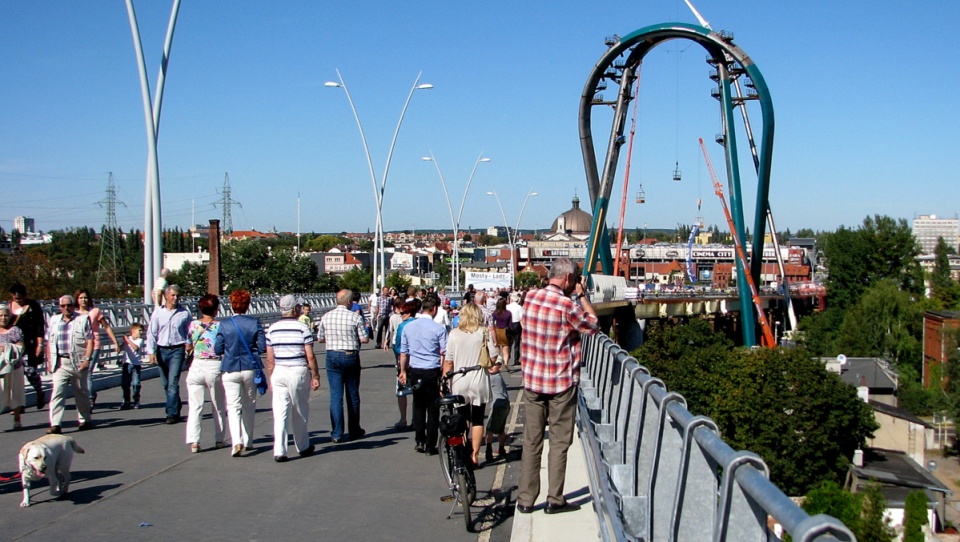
509, 237
456, 221
378, 194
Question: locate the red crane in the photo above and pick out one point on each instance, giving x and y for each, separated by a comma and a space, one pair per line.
768, 339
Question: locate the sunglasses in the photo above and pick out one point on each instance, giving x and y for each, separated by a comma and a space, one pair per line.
66, 304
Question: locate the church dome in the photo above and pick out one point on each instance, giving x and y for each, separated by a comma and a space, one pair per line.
574, 221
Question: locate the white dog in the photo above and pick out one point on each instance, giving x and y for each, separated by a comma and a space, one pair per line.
48, 456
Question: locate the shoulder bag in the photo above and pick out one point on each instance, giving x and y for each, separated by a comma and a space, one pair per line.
259, 378
485, 360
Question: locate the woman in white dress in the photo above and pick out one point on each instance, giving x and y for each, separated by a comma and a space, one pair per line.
463, 350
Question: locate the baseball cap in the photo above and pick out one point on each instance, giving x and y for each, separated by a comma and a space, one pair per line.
287, 303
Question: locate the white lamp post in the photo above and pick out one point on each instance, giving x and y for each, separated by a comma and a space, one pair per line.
378, 193
509, 237
516, 230
456, 221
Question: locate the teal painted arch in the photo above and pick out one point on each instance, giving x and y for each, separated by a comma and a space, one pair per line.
630, 51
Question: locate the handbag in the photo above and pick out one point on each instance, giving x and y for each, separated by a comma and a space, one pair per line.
188, 357
485, 360
259, 378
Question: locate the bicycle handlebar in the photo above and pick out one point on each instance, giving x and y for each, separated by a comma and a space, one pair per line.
461, 371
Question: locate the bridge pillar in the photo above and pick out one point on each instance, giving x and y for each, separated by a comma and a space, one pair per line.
629, 328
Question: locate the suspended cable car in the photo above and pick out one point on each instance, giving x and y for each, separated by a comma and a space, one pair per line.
641, 196
676, 172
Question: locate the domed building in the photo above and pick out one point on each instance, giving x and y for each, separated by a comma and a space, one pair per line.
574, 221
567, 238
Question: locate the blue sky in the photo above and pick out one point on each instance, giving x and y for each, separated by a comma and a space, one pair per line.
865, 93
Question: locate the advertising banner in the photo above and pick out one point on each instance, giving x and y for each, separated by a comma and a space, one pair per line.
487, 281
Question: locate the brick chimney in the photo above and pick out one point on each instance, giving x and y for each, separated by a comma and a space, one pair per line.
214, 276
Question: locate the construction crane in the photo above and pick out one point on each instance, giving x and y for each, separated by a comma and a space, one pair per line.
768, 339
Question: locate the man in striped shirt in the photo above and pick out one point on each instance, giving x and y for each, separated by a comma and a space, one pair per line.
343, 330
550, 352
292, 369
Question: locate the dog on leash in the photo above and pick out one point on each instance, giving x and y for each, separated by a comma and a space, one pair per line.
48, 456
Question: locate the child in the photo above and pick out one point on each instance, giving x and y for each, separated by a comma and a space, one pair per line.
132, 348
499, 410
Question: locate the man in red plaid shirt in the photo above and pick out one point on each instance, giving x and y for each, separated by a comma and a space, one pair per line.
550, 352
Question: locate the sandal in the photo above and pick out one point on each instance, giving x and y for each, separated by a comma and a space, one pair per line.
236, 450
194, 448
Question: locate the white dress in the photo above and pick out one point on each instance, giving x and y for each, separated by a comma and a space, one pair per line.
463, 349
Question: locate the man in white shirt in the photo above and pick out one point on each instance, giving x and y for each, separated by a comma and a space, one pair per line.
69, 349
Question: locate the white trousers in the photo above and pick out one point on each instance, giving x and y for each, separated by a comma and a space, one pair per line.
291, 407
11, 390
241, 399
204, 376
68, 375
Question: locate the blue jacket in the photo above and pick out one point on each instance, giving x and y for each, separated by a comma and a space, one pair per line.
229, 345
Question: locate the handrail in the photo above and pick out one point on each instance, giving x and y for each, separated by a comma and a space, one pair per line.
658, 472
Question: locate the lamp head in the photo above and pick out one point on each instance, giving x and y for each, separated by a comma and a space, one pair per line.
491, 193
332, 84
427, 159
425, 86
485, 159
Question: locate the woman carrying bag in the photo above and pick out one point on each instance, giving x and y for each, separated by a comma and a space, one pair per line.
241, 341
465, 348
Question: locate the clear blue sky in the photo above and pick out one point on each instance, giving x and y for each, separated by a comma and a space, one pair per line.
865, 93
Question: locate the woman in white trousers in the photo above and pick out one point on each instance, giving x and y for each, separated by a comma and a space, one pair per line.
204, 376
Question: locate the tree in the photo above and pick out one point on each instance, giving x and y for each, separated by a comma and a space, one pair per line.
527, 279
942, 286
874, 527
244, 265
781, 404
327, 282
398, 281
288, 271
324, 243
191, 278
885, 322
442, 270
914, 516
829, 498
357, 279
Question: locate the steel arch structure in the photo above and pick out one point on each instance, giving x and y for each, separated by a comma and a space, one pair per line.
621, 65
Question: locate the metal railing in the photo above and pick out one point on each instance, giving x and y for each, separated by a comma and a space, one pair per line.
657, 472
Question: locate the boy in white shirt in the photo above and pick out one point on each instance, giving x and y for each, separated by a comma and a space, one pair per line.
132, 360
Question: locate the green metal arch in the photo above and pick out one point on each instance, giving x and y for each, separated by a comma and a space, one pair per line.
634, 47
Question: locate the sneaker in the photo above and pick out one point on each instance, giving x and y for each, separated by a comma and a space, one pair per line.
420, 448
126, 406
136, 406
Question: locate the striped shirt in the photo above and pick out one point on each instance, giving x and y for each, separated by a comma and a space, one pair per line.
289, 339
342, 329
550, 347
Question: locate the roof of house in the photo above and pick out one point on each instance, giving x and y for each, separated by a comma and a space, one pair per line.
897, 475
874, 373
897, 412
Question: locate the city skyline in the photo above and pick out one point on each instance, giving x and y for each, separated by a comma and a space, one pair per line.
245, 95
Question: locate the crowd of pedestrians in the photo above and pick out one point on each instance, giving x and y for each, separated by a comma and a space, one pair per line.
538, 331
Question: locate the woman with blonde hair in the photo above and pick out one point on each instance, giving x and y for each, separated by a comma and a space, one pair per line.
463, 350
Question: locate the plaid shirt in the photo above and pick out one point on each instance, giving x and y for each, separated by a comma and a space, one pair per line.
342, 329
384, 306
550, 346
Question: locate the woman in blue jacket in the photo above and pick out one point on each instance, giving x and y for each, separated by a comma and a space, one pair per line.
241, 341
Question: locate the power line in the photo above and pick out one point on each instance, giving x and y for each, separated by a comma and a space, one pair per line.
226, 203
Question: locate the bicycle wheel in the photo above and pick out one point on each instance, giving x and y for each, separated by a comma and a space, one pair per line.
466, 499
446, 461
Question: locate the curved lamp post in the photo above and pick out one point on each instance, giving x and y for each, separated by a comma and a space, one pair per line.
378, 192
455, 222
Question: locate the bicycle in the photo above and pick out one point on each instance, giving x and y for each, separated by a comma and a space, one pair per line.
455, 451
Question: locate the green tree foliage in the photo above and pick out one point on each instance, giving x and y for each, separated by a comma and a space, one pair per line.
914, 516
862, 512
327, 282
829, 498
357, 279
873, 526
942, 287
886, 322
398, 281
324, 243
442, 269
527, 279
881, 248
244, 265
290, 272
191, 278
782, 404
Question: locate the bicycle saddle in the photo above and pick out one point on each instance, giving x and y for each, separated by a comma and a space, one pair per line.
451, 400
